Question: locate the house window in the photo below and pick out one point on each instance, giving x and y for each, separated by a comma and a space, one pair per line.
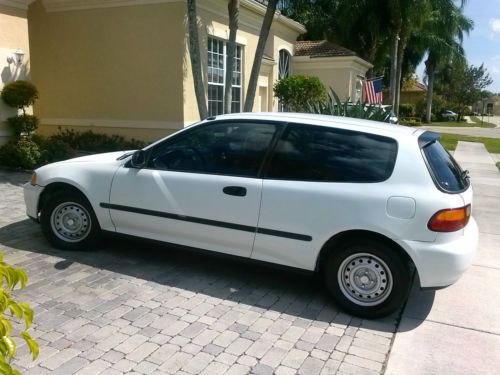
359, 88
217, 74
284, 64
283, 71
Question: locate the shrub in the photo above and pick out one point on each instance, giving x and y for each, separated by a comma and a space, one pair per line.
53, 150
410, 121
406, 110
21, 153
10, 278
19, 94
95, 142
298, 92
23, 125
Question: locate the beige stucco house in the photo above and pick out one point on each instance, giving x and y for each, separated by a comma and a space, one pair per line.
123, 66
412, 93
490, 105
13, 37
337, 67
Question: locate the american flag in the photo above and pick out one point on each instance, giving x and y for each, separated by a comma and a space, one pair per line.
373, 91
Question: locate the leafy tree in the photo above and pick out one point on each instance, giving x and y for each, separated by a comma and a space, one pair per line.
360, 25
259, 53
10, 278
194, 54
466, 86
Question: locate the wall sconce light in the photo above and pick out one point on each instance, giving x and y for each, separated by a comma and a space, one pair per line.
16, 58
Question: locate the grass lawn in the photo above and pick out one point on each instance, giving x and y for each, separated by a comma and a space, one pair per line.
477, 120
449, 141
476, 124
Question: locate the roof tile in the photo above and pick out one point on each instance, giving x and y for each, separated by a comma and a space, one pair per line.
320, 48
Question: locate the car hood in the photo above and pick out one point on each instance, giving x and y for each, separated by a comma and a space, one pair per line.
106, 157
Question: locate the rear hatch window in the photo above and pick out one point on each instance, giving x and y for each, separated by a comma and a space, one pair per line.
445, 171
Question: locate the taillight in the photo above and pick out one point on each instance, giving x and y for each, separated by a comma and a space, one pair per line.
450, 220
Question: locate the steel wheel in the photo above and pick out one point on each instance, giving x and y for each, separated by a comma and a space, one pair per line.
365, 279
71, 222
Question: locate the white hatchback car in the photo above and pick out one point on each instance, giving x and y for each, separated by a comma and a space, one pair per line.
360, 202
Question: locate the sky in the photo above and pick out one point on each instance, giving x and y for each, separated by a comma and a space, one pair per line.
483, 42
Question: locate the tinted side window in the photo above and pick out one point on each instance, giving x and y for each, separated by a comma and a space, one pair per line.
316, 153
227, 149
446, 172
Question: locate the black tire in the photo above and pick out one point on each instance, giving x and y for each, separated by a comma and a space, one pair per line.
73, 208
367, 278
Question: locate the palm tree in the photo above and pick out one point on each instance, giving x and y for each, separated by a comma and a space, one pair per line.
443, 34
194, 54
259, 54
233, 8
413, 14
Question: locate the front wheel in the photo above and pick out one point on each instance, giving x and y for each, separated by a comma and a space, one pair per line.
68, 222
368, 279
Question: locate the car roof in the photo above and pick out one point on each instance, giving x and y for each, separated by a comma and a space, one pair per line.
348, 123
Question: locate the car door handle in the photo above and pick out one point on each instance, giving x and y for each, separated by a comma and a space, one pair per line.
238, 191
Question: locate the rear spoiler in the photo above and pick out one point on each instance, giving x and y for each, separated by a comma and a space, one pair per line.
427, 138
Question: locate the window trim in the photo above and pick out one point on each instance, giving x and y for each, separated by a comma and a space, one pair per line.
277, 135
224, 64
290, 124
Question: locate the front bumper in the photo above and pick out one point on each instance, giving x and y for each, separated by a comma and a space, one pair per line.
31, 199
442, 264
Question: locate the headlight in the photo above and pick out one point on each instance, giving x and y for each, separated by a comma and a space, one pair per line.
33, 179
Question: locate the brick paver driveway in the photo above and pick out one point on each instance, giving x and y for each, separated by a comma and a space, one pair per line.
133, 307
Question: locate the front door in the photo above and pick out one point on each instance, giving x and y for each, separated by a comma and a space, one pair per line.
200, 188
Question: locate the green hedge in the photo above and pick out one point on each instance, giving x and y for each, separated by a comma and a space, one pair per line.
34, 151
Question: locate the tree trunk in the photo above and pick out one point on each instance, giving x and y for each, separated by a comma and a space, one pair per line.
233, 8
259, 53
394, 67
399, 72
194, 53
431, 69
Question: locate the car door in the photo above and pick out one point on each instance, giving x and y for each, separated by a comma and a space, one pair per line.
199, 188
319, 181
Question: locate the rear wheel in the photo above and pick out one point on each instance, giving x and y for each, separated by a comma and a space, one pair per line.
68, 222
366, 278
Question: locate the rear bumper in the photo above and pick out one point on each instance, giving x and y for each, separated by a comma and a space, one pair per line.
442, 264
31, 198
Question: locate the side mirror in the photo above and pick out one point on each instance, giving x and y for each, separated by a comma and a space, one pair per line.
138, 159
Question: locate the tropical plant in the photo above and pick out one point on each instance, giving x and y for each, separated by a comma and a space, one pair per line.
333, 106
233, 8
11, 278
195, 57
298, 92
259, 53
